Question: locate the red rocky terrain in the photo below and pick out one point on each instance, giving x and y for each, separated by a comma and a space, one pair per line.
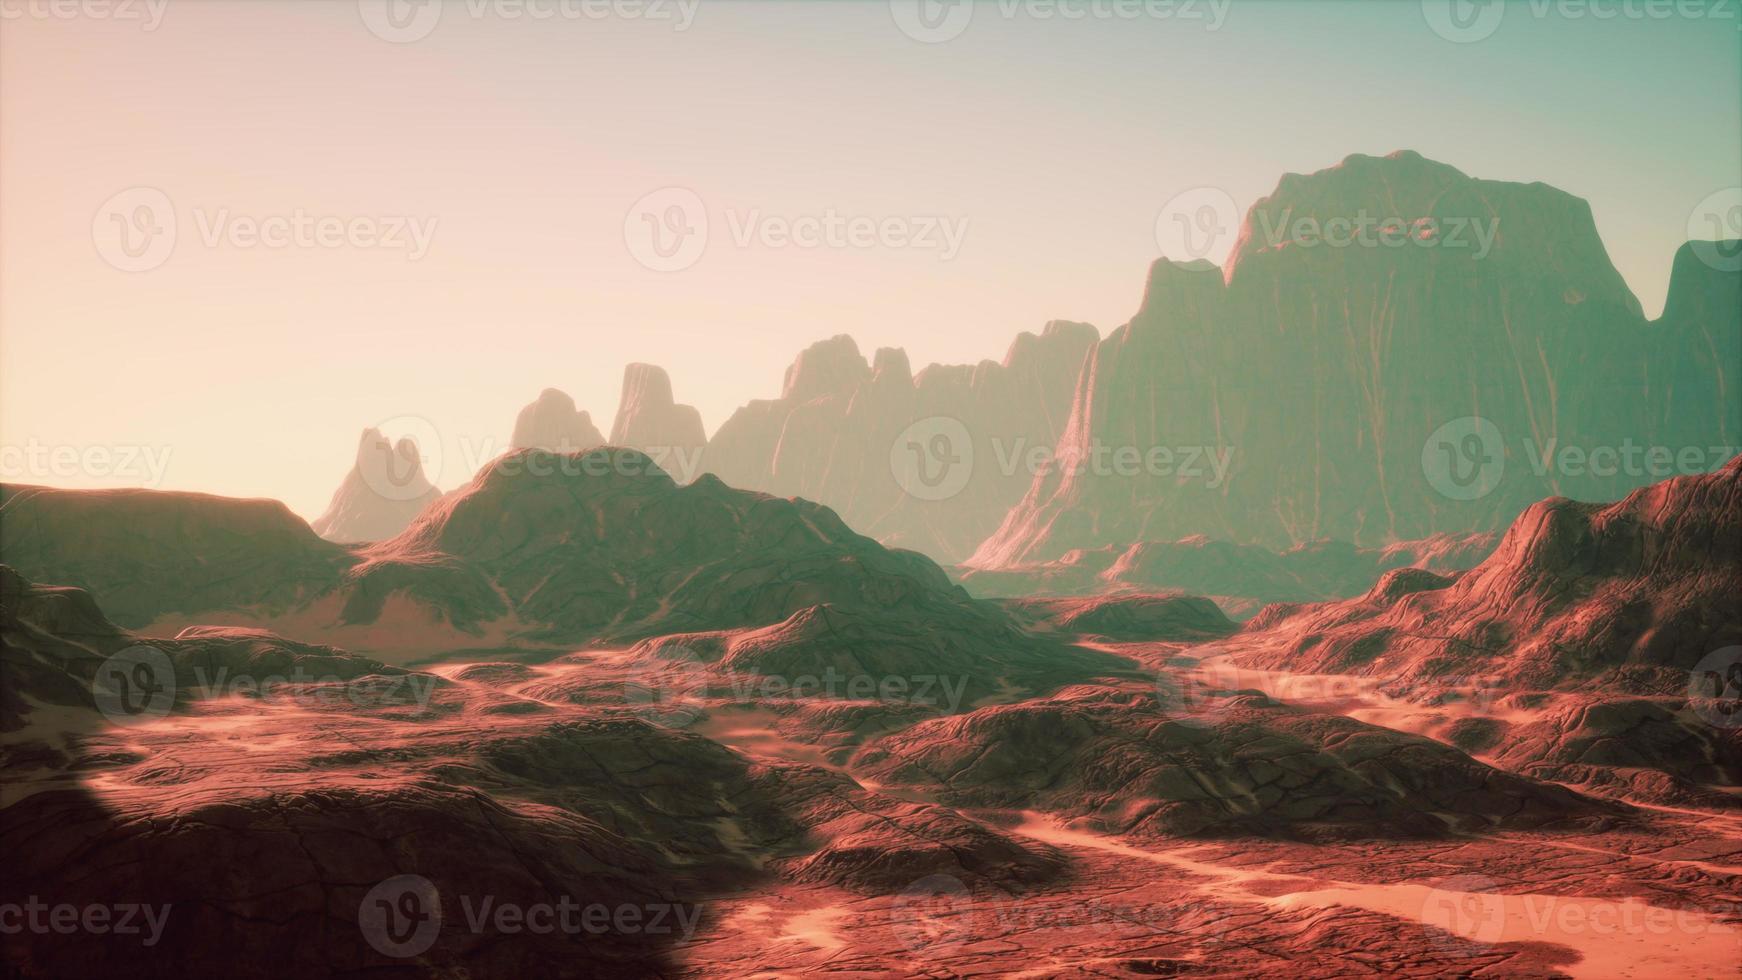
1318, 700
729, 736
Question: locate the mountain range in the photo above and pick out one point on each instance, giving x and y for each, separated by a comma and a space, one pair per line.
1393, 352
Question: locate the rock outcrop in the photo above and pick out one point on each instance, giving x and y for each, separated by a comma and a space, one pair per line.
151, 553
1630, 597
1121, 761
1394, 350
385, 489
440, 807
650, 420
1136, 617
605, 546
929, 462
552, 423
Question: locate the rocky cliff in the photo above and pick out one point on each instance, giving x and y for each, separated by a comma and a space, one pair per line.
1394, 350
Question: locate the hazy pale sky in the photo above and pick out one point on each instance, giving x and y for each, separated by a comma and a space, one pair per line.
449, 199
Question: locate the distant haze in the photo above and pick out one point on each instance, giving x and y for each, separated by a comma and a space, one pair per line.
478, 181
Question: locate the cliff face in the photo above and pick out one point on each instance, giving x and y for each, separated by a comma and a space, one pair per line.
929, 462
651, 420
1394, 350
385, 489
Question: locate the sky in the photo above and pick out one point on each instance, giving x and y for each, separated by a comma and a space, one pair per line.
234, 234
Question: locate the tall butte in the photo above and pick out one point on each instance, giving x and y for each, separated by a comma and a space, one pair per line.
651, 420
1394, 349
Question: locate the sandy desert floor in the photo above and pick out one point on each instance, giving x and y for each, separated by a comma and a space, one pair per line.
1653, 896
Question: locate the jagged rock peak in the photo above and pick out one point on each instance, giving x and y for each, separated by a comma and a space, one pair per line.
1547, 231
1703, 274
890, 365
552, 422
375, 450
1180, 286
1059, 338
825, 367
646, 385
649, 419
385, 489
